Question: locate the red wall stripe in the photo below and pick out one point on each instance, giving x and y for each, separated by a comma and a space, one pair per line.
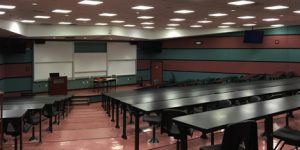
143, 64
17, 70
278, 41
231, 67
2, 73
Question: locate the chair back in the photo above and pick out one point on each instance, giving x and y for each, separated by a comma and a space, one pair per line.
238, 133
224, 104
167, 116
254, 99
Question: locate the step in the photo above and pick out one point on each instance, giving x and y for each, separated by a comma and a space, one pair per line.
80, 101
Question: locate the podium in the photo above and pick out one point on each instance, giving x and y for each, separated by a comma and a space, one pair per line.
57, 85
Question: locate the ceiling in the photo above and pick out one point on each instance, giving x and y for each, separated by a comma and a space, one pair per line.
162, 12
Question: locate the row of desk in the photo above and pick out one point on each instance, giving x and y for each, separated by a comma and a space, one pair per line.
15, 108
157, 100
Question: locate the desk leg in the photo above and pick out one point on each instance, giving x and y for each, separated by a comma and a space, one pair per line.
21, 134
108, 106
269, 132
112, 110
183, 137
124, 136
117, 114
104, 102
40, 139
212, 138
137, 130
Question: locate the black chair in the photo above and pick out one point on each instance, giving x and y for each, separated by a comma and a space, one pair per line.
32, 119
169, 127
254, 99
236, 134
153, 120
223, 104
50, 111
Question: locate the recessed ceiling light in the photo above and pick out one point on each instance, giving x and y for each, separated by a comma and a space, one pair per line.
117, 21
129, 25
177, 19
223, 26
241, 2
249, 24
148, 27
277, 25
297, 11
217, 14
195, 26
142, 7
63, 11
101, 24
90, 2
28, 21
42, 17
173, 24
2, 12
107, 14
145, 17
270, 19
147, 23
228, 23
64, 23
170, 28
246, 17
7, 7
34, 4
83, 19
184, 11
276, 7
204, 21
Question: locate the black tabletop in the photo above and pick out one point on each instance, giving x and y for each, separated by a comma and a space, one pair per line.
23, 106
191, 101
38, 98
217, 119
16, 113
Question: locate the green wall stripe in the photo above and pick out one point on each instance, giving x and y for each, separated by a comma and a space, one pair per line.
17, 84
145, 74
90, 47
14, 58
269, 55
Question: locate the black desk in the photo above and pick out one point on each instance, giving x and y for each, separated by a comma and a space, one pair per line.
17, 115
214, 120
201, 100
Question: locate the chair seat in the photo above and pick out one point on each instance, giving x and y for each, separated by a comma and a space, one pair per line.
290, 136
26, 127
216, 147
174, 131
152, 119
34, 120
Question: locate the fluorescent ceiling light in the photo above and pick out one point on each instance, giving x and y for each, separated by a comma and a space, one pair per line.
62, 11
173, 25
223, 26
184, 11
145, 17
148, 27
249, 24
42, 17
147, 23
64, 23
117, 21
170, 28
297, 11
270, 19
7, 7
101, 24
276, 7
28, 21
107, 14
2, 12
228, 23
195, 26
90, 2
177, 19
217, 14
277, 25
142, 7
246, 17
241, 2
83, 19
204, 21
129, 25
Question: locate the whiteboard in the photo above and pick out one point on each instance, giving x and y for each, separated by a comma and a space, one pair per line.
42, 70
53, 51
89, 62
121, 51
89, 74
124, 67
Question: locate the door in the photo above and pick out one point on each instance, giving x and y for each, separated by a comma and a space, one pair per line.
156, 72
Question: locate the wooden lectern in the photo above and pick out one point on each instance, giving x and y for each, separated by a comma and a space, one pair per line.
57, 85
